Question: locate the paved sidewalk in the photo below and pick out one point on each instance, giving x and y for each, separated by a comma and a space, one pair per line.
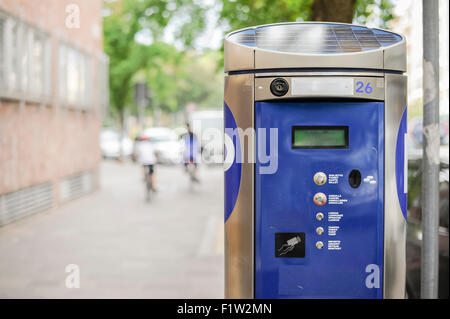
124, 247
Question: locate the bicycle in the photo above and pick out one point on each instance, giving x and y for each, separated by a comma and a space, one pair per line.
148, 183
191, 170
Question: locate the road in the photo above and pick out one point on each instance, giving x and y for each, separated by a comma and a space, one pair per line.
122, 246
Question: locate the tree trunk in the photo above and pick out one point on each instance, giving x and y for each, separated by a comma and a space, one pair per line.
333, 10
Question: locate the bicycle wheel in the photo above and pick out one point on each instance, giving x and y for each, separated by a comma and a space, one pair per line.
149, 188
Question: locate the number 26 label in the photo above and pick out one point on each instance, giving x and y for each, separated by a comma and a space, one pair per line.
362, 87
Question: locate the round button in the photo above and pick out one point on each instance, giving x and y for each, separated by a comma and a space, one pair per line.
320, 199
319, 230
320, 178
319, 216
319, 245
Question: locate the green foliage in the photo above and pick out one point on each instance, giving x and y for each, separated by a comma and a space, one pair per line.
378, 12
125, 20
181, 78
244, 13
200, 82
161, 76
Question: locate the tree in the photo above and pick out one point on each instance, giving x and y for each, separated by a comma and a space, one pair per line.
326, 10
199, 81
177, 78
124, 21
244, 13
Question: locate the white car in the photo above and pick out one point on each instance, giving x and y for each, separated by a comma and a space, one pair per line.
111, 147
167, 145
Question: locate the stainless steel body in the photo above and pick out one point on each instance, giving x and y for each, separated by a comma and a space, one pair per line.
394, 221
239, 226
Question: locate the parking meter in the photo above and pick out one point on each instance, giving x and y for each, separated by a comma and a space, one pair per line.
315, 162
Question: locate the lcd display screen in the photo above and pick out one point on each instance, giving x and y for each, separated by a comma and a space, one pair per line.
320, 137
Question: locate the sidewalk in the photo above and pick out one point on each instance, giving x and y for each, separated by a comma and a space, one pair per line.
124, 247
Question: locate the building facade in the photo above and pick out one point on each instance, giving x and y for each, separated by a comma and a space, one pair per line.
53, 93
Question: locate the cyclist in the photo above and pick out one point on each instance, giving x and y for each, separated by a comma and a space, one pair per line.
191, 152
147, 158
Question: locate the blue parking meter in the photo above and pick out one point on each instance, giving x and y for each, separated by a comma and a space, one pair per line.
315, 162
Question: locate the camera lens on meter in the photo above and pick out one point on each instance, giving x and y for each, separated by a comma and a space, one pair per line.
279, 87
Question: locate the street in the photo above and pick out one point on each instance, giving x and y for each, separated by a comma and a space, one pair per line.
124, 247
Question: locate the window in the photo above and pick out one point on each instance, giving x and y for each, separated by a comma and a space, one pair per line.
11, 54
103, 84
37, 63
2, 50
75, 78
24, 61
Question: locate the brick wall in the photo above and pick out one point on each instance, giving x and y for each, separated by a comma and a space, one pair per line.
41, 143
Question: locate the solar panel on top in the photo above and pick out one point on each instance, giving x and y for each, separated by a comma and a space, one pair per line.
314, 38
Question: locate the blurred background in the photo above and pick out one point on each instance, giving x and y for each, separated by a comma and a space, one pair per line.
82, 80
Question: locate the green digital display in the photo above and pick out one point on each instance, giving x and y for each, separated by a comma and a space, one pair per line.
320, 137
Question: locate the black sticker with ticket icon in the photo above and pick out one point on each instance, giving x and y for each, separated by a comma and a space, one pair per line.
290, 245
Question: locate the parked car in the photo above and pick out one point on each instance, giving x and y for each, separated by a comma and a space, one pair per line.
112, 147
167, 145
